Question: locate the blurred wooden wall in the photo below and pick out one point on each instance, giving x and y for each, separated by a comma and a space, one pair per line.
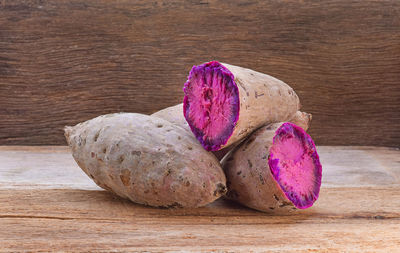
62, 62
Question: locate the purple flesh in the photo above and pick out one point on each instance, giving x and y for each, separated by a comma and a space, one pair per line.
211, 104
295, 165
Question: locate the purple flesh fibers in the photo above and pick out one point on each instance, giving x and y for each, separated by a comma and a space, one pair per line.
211, 104
295, 165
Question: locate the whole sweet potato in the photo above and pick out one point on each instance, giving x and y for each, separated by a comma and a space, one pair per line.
146, 159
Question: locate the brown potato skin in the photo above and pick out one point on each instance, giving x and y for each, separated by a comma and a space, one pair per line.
147, 160
174, 114
302, 119
249, 179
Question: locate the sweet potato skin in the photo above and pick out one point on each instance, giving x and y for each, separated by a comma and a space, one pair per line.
147, 160
249, 178
173, 114
302, 119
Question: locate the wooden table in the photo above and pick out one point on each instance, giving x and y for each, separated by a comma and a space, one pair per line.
49, 204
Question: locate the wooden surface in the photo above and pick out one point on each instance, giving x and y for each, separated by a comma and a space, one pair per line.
62, 62
49, 204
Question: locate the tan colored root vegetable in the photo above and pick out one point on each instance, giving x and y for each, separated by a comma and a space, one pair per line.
302, 119
224, 103
276, 169
146, 159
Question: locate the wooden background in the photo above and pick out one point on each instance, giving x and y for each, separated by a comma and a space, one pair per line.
62, 62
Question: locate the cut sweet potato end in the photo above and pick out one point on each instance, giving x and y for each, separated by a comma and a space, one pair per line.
211, 104
295, 165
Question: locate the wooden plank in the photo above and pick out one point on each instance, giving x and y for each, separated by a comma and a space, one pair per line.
358, 210
360, 166
62, 62
41, 167
343, 220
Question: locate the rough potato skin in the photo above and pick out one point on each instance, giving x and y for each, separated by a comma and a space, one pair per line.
302, 119
174, 114
146, 159
263, 100
249, 178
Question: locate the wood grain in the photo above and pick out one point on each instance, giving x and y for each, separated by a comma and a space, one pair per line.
344, 220
46, 206
62, 62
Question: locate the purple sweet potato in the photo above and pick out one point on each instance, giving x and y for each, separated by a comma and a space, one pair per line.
275, 169
146, 159
225, 103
